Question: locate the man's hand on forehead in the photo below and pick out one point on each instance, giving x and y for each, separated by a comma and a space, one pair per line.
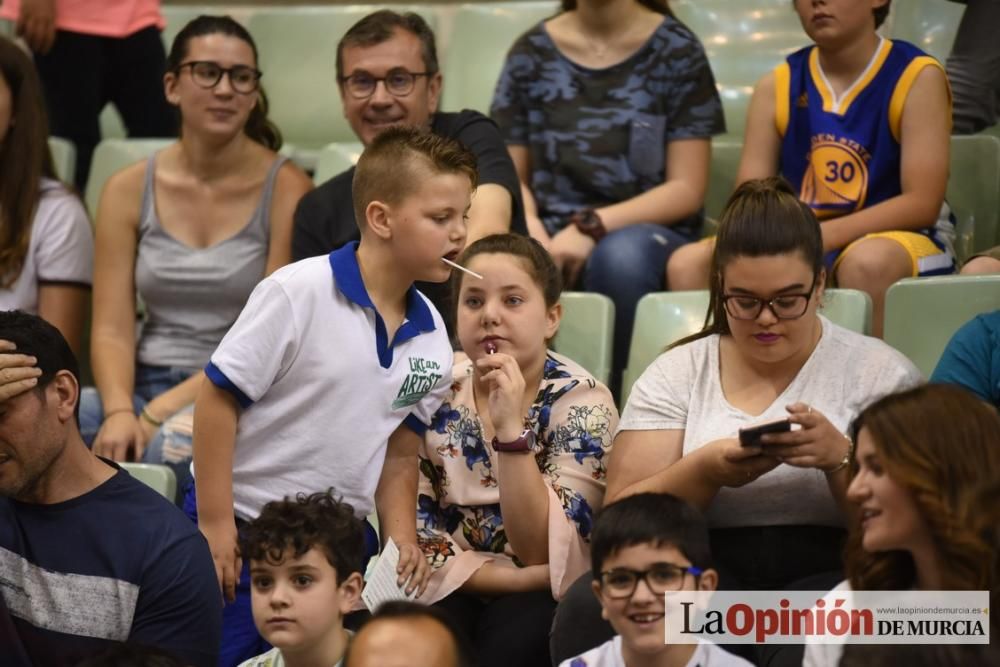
18, 372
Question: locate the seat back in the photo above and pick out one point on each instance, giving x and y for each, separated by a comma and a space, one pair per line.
722, 175
974, 192
63, 158
335, 158
160, 478
744, 40
587, 332
663, 318
929, 24
480, 37
922, 314
112, 155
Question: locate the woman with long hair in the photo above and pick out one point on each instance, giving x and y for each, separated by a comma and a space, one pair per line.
919, 455
608, 110
190, 231
775, 504
46, 245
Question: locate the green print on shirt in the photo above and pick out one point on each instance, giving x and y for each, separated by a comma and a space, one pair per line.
423, 375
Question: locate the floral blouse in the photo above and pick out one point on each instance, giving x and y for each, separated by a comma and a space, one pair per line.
459, 525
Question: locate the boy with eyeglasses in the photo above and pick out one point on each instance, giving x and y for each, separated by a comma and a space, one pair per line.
644, 546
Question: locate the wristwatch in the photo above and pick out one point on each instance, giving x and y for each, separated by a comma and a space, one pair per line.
588, 222
526, 442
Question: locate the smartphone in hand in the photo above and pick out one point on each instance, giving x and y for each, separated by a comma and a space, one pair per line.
750, 435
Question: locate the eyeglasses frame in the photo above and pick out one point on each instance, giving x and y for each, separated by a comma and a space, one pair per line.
396, 70
641, 575
223, 71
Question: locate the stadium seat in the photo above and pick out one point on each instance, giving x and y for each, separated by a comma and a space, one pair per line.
929, 24
480, 37
587, 331
665, 317
63, 158
335, 158
112, 155
974, 192
160, 478
922, 314
722, 175
298, 53
744, 39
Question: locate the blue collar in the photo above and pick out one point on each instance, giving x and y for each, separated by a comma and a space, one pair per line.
347, 278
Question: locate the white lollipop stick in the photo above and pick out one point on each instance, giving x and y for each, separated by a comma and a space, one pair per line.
460, 267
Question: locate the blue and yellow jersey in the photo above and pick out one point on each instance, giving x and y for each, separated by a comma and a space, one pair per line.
843, 154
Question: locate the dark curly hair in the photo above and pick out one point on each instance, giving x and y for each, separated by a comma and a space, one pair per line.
318, 520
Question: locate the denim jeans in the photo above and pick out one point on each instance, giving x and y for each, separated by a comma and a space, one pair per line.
626, 265
150, 382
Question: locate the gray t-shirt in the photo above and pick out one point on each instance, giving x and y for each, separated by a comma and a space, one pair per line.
845, 373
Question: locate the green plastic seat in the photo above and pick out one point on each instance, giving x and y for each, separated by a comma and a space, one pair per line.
929, 24
112, 155
722, 175
160, 478
334, 159
480, 37
744, 40
587, 331
298, 55
662, 318
922, 314
974, 192
63, 157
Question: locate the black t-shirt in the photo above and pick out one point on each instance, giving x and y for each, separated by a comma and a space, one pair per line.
118, 564
324, 219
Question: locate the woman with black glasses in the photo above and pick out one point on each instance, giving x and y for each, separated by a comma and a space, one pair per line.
773, 502
190, 231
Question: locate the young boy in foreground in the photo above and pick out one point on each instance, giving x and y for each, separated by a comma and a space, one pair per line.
305, 559
644, 546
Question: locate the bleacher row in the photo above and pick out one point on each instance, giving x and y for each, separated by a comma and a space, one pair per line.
921, 316
743, 38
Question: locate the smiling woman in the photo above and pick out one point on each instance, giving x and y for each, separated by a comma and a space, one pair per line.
190, 231
920, 455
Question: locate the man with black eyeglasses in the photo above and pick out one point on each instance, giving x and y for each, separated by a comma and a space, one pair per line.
387, 71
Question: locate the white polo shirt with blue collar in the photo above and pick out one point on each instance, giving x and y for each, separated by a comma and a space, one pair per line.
321, 385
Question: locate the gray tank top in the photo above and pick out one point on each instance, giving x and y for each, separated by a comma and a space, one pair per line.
193, 295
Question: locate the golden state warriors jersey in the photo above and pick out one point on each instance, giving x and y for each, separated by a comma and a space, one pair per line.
843, 154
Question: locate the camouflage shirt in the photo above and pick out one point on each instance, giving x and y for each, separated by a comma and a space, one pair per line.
599, 136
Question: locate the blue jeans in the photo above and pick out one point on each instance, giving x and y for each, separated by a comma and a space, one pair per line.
150, 382
626, 265
240, 638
